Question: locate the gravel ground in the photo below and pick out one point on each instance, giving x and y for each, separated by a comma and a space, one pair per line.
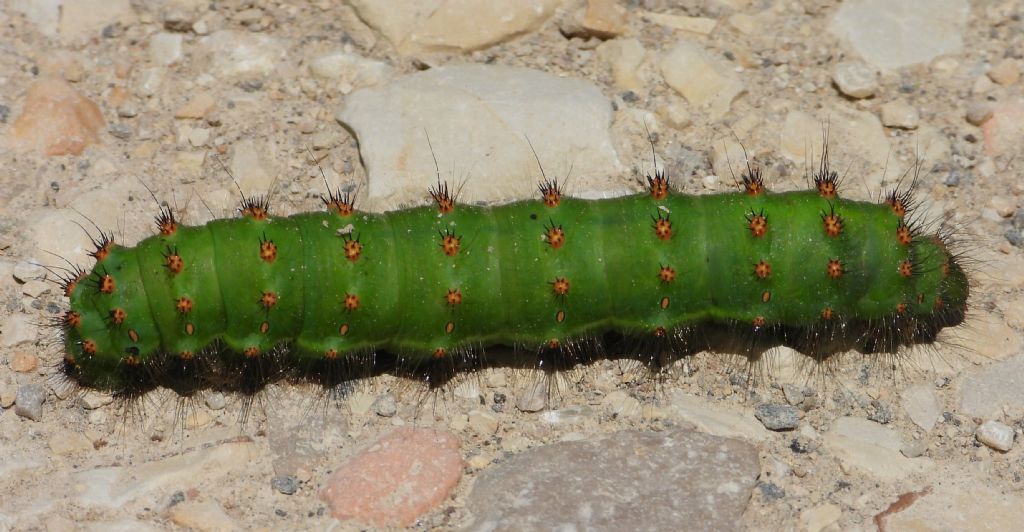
170, 99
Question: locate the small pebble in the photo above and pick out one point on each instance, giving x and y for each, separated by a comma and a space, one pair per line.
770, 491
978, 113
855, 79
286, 484
1005, 72
794, 395
25, 271
24, 362
29, 401
385, 406
5, 112
914, 448
7, 396
995, 435
777, 417
483, 422
120, 131
94, 400
215, 401
900, 114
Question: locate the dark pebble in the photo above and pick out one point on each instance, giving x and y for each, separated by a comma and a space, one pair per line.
777, 417
286, 484
120, 131
770, 491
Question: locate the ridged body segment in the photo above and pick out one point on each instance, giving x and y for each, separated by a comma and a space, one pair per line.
527, 273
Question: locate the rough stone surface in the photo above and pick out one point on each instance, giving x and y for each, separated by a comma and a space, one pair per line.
56, 120
29, 401
236, 54
921, 405
349, 70
872, 448
969, 505
415, 27
777, 417
482, 117
895, 33
987, 392
900, 114
395, 480
204, 516
859, 139
717, 420
113, 487
996, 435
87, 18
628, 480
701, 79
1005, 130
855, 79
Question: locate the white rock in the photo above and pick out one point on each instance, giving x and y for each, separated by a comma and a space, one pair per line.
250, 167
44, 14
624, 57
69, 442
199, 136
149, 81
872, 448
483, 421
416, 26
986, 393
113, 487
620, 403
479, 118
1005, 72
16, 329
856, 140
900, 114
996, 435
702, 79
166, 48
717, 420
676, 115
818, 518
891, 34
350, 69
533, 398
855, 79
87, 18
698, 25
236, 53
28, 270
921, 405
990, 336
201, 516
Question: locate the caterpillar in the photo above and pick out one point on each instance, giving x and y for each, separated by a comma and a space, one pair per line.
329, 296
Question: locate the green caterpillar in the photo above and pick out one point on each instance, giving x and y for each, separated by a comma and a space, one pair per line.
328, 296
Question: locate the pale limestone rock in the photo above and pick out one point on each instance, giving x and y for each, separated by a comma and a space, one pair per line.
873, 448
87, 18
717, 420
415, 26
479, 120
891, 34
624, 57
703, 80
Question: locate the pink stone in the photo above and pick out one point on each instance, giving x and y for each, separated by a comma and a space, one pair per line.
398, 478
56, 120
1005, 130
